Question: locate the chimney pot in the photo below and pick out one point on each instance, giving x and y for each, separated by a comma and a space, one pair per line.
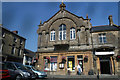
16, 32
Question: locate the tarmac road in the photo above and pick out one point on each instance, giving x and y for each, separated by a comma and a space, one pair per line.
79, 79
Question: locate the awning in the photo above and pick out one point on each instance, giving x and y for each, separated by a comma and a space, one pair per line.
104, 53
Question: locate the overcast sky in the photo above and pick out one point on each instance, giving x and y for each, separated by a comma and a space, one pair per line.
25, 16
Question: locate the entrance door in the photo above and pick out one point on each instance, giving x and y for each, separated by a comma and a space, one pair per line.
71, 63
105, 65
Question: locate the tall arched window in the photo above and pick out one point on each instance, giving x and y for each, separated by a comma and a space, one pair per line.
52, 35
62, 32
72, 33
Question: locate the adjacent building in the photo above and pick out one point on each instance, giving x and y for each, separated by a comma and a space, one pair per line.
29, 57
66, 40
12, 45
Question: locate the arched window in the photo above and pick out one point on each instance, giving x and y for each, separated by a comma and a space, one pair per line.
52, 35
62, 32
72, 33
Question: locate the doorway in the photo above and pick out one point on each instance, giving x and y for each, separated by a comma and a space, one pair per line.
105, 65
71, 63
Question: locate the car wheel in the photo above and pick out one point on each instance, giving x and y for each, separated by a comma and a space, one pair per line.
18, 77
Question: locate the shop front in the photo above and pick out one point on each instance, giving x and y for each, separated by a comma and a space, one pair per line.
105, 62
66, 63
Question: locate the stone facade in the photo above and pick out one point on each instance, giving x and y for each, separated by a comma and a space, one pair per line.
12, 46
66, 40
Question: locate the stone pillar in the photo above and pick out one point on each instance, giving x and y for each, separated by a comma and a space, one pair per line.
76, 63
98, 65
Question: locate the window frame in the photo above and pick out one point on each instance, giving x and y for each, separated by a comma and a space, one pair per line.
72, 33
102, 38
62, 32
52, 35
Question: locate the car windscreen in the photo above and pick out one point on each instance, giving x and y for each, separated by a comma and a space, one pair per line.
20, 66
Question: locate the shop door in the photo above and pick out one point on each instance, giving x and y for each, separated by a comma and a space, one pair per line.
105, 66
71, 63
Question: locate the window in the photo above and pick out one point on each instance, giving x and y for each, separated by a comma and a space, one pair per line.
13, 50
15, 39
3, 34
62, 32
102, 38
19, 52
72, 33
53, 63
52, 35
21, 42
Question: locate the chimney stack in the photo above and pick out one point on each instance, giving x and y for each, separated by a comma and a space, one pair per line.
110, 20
16, 32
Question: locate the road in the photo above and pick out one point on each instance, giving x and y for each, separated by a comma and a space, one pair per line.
79, 79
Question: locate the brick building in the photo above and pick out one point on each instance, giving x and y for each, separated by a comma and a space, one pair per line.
66, 40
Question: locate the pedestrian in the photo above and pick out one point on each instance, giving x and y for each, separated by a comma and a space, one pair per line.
79, 69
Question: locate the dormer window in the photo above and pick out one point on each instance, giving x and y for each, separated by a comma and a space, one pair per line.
72, 33
52, 35
62, 32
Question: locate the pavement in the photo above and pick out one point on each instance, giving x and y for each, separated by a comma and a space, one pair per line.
84, 76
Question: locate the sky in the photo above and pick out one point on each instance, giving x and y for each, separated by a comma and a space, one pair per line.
25, 16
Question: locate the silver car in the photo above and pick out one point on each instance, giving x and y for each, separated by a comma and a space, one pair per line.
40, 74
19, 72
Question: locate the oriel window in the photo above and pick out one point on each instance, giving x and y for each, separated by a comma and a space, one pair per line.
62, 32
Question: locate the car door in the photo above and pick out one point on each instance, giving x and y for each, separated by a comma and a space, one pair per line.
11, 69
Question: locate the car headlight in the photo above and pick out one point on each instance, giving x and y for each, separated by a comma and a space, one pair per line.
39, 73
26, 74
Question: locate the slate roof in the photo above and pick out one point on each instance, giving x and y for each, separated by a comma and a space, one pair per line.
105, 28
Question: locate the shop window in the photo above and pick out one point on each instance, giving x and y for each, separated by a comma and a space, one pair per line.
102, 38
53, 63
46, 68
80, 61
52, 35
72, 33
62, 32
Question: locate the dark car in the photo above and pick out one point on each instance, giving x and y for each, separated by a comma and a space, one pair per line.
4, 73
19, 72
40, 74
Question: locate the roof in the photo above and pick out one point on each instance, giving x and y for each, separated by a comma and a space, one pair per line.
11, 32
105, 28
29, 53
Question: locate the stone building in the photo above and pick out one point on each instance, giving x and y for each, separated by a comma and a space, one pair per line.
29, 57
106, 46
66, 40
12, 45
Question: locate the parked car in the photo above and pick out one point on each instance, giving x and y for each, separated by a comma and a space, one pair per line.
4, 73
40, 74
19, 72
